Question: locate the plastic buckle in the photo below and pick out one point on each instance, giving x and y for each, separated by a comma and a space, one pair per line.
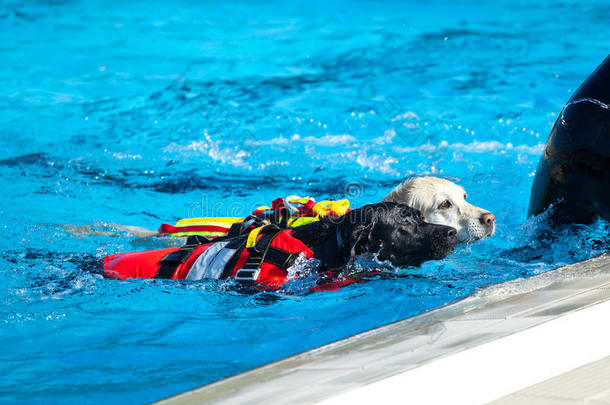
247, 274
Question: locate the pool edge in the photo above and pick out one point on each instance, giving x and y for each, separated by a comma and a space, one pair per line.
371, 356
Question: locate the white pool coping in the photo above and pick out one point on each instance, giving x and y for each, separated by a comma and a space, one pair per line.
500, 340
588, 384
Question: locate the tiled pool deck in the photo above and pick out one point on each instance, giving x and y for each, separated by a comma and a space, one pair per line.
492, 320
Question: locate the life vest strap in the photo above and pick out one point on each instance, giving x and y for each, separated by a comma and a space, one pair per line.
249, 223
280, 217
171, 261
235, 230
262, 252
239, 244
280, 257
259, 251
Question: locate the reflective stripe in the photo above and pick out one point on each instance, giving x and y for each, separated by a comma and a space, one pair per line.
211, 263
166, 228
300, 221
225, 222
210, 235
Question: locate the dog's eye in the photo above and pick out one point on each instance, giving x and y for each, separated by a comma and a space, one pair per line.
445, 205
465, 196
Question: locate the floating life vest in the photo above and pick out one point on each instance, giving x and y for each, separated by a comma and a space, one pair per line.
262, 256
291, 211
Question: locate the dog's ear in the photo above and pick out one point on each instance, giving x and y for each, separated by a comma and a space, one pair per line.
360, 239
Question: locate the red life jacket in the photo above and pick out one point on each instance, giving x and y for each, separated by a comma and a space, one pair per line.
261, 257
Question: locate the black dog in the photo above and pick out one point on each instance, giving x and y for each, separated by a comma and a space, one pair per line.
394, 232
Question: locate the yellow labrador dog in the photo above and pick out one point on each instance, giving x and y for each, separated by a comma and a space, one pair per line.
444, 203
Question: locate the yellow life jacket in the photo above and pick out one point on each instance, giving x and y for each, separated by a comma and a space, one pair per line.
291, 211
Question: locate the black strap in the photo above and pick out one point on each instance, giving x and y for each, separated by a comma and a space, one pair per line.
239, 244
235, 229
280, 217
197, 240
280, 257
285, 217
171, 261
249, 223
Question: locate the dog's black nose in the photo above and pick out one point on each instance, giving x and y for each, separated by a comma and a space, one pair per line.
442, 231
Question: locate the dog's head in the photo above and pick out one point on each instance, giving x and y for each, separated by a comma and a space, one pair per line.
443, 202
396, 233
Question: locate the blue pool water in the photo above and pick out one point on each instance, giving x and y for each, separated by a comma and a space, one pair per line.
141, 113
